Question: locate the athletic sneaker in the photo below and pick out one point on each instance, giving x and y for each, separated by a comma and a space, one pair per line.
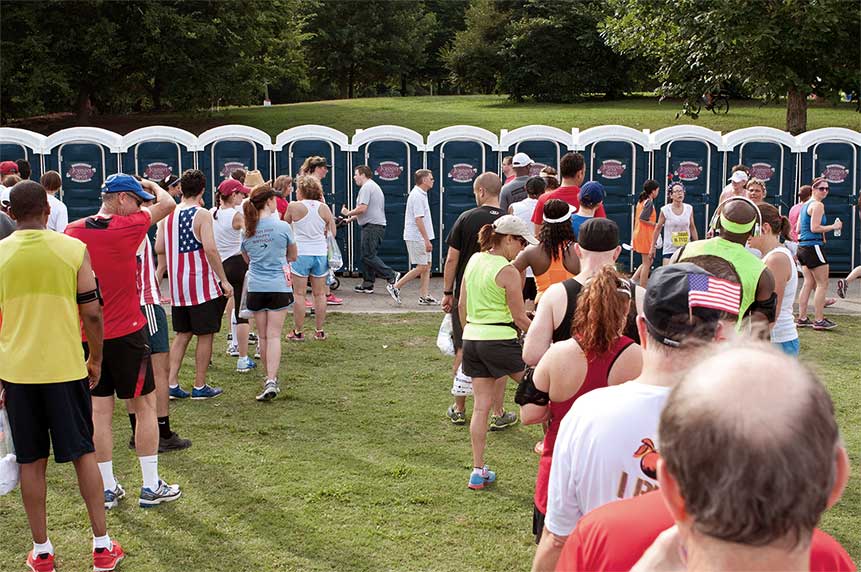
308, 303
245, 364
257, 353
804, 323
360, 288
206, 392
824, 324
232, 350
295, 336
42, 563
841, 288
477, 481
830, 301
179, 393
319, 335
270, 390
252, 338
173, 443
163, 493
457, 417
333, 300
428, 301
105, 560
500, 422
393, 292
112, 498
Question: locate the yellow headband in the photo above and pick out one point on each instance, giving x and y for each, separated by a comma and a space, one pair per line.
735, 227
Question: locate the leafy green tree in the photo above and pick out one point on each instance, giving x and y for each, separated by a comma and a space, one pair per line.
772, 48
474, 57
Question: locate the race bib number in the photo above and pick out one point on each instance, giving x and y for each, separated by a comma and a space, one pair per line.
680, 238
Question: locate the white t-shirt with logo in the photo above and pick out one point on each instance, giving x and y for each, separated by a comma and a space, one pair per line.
59, 217
607, 449
417, 205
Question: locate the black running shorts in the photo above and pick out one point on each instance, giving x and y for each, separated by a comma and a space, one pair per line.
199, 320
42, 415
126, 367
268, 301
492, 358
812, 256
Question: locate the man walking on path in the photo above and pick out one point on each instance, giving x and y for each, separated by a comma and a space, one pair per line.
370, 213
418, 234
47, 291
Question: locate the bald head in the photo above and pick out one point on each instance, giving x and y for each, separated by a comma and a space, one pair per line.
489, 182
750, 437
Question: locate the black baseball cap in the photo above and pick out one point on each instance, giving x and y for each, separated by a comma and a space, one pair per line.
670, 318
598, 235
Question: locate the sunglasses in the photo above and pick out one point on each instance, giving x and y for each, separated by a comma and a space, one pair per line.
822, 188
135, 198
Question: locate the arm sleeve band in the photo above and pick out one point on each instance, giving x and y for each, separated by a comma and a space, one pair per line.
527, 392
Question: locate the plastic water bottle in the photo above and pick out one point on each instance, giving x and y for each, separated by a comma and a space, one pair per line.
837, 232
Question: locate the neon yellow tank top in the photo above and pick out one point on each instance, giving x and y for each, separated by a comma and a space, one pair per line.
40, 335
486, 306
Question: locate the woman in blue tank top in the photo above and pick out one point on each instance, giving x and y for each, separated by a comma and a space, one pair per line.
811, 255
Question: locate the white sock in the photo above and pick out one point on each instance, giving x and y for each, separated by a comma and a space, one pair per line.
102, 542
478, 470
233, 338
107, 470
177, 385
46, 548
149, 469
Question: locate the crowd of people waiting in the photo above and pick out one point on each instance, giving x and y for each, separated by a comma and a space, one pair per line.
644, 383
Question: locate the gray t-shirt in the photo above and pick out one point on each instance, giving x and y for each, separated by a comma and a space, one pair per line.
372, 195
7, 225
512, 192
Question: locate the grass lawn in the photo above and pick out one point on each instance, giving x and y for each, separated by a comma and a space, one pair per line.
354, 467
424, 114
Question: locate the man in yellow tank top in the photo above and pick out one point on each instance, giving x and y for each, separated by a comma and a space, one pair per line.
47, 290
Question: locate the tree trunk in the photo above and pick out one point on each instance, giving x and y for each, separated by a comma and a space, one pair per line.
85, 107
403, 85
796, 111
157, 87
351, 80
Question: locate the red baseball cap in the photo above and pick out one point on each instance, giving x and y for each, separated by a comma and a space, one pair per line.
230, 186
8, 168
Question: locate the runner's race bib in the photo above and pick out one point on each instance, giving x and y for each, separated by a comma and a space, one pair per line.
680, 238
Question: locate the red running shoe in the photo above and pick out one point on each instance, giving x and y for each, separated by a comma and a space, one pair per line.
333, 300
105, 560
41, 563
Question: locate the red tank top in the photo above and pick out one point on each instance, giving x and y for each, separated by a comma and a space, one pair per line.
596, 377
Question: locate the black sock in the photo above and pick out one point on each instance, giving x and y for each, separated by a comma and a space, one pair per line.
164, 431
132, 422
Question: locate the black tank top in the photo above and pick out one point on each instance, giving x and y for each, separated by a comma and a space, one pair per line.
572, 291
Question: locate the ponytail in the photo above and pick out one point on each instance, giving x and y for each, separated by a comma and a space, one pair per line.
487, 237
648, 186
602, 311
251, 209
779, 224
217, 205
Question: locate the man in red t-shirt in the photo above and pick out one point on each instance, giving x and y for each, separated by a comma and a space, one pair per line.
614, 536
572, 169
113, 237
748, 463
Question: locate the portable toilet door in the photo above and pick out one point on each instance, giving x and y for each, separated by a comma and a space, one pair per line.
18, 144
84, 157
295, 145
156, 152
229, 147
833, 153
456, 156
618, 158
544, 145
772, 157
393, 153
689, 154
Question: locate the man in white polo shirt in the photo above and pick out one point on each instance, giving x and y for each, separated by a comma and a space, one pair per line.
607, 447
418, 234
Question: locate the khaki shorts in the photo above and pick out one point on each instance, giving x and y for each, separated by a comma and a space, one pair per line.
417, 253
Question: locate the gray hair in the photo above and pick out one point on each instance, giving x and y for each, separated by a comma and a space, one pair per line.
754, 464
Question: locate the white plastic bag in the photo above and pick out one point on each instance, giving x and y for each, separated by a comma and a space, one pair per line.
443, 339
244, 312
8, 463
336, 261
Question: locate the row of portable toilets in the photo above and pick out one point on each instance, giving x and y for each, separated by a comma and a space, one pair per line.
619, 157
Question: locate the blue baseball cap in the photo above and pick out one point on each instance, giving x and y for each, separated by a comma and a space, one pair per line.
122, 183
592, 193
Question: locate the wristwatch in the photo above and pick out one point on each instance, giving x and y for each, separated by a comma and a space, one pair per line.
448, 292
